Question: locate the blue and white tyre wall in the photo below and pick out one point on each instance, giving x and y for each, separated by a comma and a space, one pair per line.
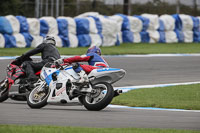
166, 29
186, 28
2, 41
152, 28
10, 28
87, 31
118, 22
95, 29
110, 31
92, 28
34, 30
15, 32
136, 27
49, 26
129, 28
133, 28
67, 31
196, 29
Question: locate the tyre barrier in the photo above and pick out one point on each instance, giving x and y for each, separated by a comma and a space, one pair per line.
92, 28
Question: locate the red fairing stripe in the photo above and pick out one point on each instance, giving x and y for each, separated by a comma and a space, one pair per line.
10, 82
10, 73
15, 76
103, 65
105, 62
60, 91
18, 74
18, 69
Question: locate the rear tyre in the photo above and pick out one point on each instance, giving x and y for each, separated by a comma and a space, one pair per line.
37, 98
4, 90
101, 96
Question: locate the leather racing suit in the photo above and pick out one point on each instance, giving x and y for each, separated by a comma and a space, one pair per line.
94, 60
48, 53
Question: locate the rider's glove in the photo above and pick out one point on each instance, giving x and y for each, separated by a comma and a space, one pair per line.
19, 59
60, 61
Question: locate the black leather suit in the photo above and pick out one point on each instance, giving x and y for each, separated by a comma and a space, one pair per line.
48, 53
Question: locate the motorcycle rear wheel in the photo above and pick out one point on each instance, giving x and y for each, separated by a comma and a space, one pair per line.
4, 90
100, 99
37, 100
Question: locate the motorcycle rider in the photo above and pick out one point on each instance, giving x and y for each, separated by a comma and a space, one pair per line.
48, 52
94, 59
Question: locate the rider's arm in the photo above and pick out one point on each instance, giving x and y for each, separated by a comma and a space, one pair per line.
34, 51
77, 59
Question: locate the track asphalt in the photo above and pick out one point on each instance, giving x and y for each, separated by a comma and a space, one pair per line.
141, 70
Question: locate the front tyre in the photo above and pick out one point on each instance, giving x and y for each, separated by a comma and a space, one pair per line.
99, 98
37, 98
4, 90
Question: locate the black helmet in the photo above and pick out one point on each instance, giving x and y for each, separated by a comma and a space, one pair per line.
50, 40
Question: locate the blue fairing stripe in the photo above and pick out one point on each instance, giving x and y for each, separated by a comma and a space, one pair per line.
68, 68
49, 77
108, 69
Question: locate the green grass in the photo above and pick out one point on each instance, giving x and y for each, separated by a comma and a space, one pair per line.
59, 129
136, 48
178, 97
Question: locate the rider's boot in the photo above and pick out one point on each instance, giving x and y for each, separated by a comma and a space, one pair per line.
83, 77
74, 91
32, 82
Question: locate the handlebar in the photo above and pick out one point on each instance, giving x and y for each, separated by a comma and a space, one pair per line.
59, 66
56, 65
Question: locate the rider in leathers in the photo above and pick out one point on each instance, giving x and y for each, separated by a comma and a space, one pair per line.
48, 52
94, 59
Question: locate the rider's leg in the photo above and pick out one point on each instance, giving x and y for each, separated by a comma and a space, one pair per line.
27, 65
88, 68
30, 69
79, 70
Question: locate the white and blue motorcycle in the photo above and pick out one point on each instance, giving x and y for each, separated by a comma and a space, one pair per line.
58, 84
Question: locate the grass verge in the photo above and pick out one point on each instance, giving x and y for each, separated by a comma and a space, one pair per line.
59, 129
177, 97
129, 48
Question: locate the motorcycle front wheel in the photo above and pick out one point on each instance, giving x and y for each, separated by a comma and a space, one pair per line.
37, 98
4, 90
99, 98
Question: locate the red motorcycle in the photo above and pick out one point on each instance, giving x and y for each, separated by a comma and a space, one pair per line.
16, 74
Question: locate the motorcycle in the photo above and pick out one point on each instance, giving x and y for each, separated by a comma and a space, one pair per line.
15, 75
58, 83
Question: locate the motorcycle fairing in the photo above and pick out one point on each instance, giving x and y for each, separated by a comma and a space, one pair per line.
109, 75
48, 78
108, 69
13, 72
47, 73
